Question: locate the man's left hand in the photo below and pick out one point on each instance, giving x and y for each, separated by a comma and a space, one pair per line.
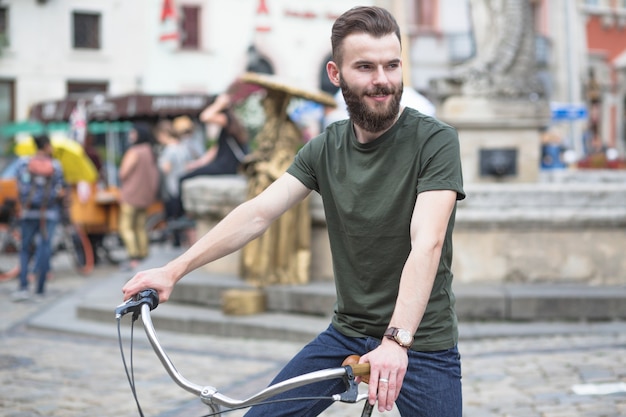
388, 365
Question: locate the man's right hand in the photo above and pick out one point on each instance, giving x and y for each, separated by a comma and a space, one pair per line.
158, 279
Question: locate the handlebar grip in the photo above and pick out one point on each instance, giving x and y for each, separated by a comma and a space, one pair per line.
361, 369
133, 304
358, 369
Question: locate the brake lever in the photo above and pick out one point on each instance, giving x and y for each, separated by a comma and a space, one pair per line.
133, 304
352, 388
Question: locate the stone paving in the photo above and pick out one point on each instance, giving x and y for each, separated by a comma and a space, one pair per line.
49, 373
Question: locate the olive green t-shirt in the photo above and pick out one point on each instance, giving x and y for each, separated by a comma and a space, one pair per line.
369, 193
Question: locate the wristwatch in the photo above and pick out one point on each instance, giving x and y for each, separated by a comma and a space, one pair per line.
402, 337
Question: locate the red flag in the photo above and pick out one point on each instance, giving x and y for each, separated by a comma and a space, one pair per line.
263, 14
169, 23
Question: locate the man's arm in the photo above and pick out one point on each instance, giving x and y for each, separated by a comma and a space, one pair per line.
246, 222
428, 229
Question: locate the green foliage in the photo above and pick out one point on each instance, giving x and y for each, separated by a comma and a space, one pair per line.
252, 115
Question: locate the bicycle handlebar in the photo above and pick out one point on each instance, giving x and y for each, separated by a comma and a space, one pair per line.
134, 304
147, 300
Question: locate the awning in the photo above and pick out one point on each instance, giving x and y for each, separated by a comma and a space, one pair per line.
125, 107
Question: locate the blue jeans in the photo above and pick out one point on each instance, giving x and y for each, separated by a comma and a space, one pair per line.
431, 387
30, 228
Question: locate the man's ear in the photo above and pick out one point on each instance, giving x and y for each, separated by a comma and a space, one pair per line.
333, 73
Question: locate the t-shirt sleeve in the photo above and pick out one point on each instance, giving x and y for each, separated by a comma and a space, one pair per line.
303, 167
441, 163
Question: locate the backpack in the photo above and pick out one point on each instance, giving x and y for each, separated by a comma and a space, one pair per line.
36, 183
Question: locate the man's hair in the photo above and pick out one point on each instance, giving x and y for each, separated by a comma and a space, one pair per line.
374, 21
41, 141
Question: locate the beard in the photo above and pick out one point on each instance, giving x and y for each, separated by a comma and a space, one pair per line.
376, 119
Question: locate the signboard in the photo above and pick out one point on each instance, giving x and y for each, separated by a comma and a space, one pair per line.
125, 107
568, 111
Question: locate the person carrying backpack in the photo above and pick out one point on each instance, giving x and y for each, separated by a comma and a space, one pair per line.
41, 187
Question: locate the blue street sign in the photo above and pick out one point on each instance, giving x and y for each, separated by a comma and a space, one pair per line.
568, 111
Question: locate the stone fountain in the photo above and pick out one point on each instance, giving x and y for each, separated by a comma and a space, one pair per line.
521, 224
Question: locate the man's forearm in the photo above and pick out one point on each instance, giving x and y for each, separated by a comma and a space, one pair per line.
232, 233
416, 284
245, 223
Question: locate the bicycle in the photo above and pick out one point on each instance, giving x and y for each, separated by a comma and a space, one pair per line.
74, 241
10, 241
140, 306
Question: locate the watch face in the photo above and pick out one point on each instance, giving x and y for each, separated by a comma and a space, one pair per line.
404, 337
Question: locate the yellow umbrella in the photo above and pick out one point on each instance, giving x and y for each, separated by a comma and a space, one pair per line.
75, 163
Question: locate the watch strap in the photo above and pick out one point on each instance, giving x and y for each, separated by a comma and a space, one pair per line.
392, 333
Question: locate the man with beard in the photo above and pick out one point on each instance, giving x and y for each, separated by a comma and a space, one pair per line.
389, 179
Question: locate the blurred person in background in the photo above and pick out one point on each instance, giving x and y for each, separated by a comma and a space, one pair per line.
41, 189
139, 179
225, 156
173, 159
185, 130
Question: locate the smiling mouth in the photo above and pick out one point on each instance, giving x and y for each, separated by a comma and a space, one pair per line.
378, 98
379, 94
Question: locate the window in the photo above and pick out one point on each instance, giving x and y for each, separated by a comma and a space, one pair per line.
426, 15
86, 30
86, 87
461, 47
7, 101
4, 26
190, 27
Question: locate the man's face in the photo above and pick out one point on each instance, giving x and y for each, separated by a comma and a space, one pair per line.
370, 78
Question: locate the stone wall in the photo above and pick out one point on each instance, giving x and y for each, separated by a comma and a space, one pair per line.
551, 232
568, 227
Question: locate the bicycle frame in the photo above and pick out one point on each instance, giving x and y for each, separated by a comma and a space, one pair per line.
209, 395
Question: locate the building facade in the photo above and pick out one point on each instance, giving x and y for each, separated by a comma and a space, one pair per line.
605, 92
52, 49
122, 47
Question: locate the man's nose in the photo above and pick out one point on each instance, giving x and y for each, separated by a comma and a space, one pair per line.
380, 76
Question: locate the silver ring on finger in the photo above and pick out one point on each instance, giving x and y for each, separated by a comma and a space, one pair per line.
383, 380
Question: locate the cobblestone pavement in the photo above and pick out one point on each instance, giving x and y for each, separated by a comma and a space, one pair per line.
43, 373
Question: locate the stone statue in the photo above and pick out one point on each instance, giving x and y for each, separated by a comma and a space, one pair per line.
504, 65
282, 254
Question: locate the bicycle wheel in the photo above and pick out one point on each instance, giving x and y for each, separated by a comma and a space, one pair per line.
113, 247
77, 244
156, 228
9, 245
